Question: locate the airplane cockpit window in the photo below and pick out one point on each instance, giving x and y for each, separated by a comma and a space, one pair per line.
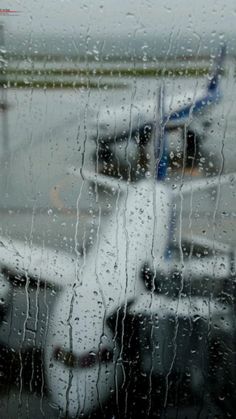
117, 209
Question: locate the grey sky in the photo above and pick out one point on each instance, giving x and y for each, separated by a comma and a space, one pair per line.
134, 17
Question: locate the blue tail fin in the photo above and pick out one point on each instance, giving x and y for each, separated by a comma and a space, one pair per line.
218, 69
161, 147
211, 96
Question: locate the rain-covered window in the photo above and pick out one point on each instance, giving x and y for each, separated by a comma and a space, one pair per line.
117, 209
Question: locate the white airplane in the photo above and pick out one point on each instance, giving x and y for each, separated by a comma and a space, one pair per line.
121, 132
83, 356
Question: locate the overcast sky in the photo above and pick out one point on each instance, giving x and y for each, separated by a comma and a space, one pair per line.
103, 17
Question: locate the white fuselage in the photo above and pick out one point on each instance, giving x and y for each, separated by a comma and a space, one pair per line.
107, 280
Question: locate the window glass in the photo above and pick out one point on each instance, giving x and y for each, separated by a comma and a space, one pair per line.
117, 210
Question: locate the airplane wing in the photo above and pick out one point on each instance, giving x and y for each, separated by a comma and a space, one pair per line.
43, 264
202, 184
22, 259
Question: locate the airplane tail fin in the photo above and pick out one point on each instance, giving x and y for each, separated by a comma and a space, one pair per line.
212, 95
218, 69
161, 148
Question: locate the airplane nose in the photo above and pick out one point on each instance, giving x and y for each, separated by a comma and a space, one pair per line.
86, 360
89, 377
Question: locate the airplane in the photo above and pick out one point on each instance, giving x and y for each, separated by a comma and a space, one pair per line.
83, 355
122, 132
113, 123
